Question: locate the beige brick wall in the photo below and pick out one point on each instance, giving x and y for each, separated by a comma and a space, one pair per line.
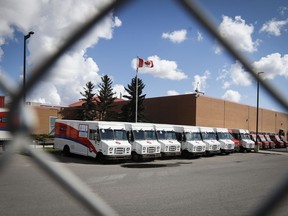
209, 112
43, 114
189, 110
212, 112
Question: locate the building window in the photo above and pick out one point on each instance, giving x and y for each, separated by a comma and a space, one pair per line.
52, 120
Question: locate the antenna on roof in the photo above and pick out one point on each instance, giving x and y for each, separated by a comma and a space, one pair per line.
197, 90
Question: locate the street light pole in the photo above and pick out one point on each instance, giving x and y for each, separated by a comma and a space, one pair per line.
257, 109
24, 65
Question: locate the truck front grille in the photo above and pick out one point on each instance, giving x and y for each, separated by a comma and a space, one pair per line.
151, 149
119, 150
172, 148
214, 147
199, 148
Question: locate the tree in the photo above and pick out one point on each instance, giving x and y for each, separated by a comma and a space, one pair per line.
105, 100
128, 110
89, 105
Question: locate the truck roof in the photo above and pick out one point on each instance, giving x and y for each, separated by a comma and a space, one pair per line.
206, 129
186, 128
139, 126
100, 124
221, 130
164, 127
240, 131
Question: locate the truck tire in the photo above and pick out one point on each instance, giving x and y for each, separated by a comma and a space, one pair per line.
100, 157
185, 154
66, 151
135, 157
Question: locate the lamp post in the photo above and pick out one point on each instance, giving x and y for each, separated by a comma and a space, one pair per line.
257, 110
24, 64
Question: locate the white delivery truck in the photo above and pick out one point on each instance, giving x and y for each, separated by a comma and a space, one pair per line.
226, 140
246, 144
209, 138
166, 136
100, 139
5, 135
190, 139
142, 137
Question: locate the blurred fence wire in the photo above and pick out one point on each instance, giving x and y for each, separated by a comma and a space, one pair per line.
69, 182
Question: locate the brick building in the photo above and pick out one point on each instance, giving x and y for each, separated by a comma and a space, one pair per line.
206, 111
189, 110
46, 116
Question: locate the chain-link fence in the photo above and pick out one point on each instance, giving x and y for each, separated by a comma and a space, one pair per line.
21, 127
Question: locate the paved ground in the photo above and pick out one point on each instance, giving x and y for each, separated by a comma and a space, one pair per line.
221, 185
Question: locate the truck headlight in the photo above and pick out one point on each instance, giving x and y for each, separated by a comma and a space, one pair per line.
110, 149
144, 148
127, 149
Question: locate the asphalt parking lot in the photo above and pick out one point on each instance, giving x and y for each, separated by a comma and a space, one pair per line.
234, 184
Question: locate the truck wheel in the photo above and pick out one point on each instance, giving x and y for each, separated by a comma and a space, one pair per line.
185, 154
100, 157
66, 151
135, 157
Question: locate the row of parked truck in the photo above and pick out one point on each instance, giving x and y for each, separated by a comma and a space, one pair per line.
269, 140
138, 141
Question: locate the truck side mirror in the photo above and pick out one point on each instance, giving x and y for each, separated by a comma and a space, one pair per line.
130, 136
97, 135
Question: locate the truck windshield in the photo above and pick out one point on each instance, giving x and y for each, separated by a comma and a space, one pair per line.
151, 135
142, 135
106, 134
166, 135
139, 134
245, 136
277, 138
224, 135
193, 136
120, 135
208, 135
262, 138
267, 137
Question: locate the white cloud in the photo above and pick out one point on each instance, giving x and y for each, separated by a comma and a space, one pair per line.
232, 95
273, 65
218, 49
234, 75
238, 33
119, 91
163, 69
16, 14
283, 10
172, 92
226, 85
273, 27
199, 36
53, 21
117, 22
239, 76
175, 36
200, 82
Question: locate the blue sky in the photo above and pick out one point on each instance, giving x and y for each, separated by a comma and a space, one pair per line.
184, 54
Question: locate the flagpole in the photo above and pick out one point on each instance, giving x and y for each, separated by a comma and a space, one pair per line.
136, 97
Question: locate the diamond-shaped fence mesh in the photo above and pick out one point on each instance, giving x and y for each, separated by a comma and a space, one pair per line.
69, 182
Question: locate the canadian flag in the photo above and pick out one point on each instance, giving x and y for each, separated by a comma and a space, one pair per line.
145, 63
